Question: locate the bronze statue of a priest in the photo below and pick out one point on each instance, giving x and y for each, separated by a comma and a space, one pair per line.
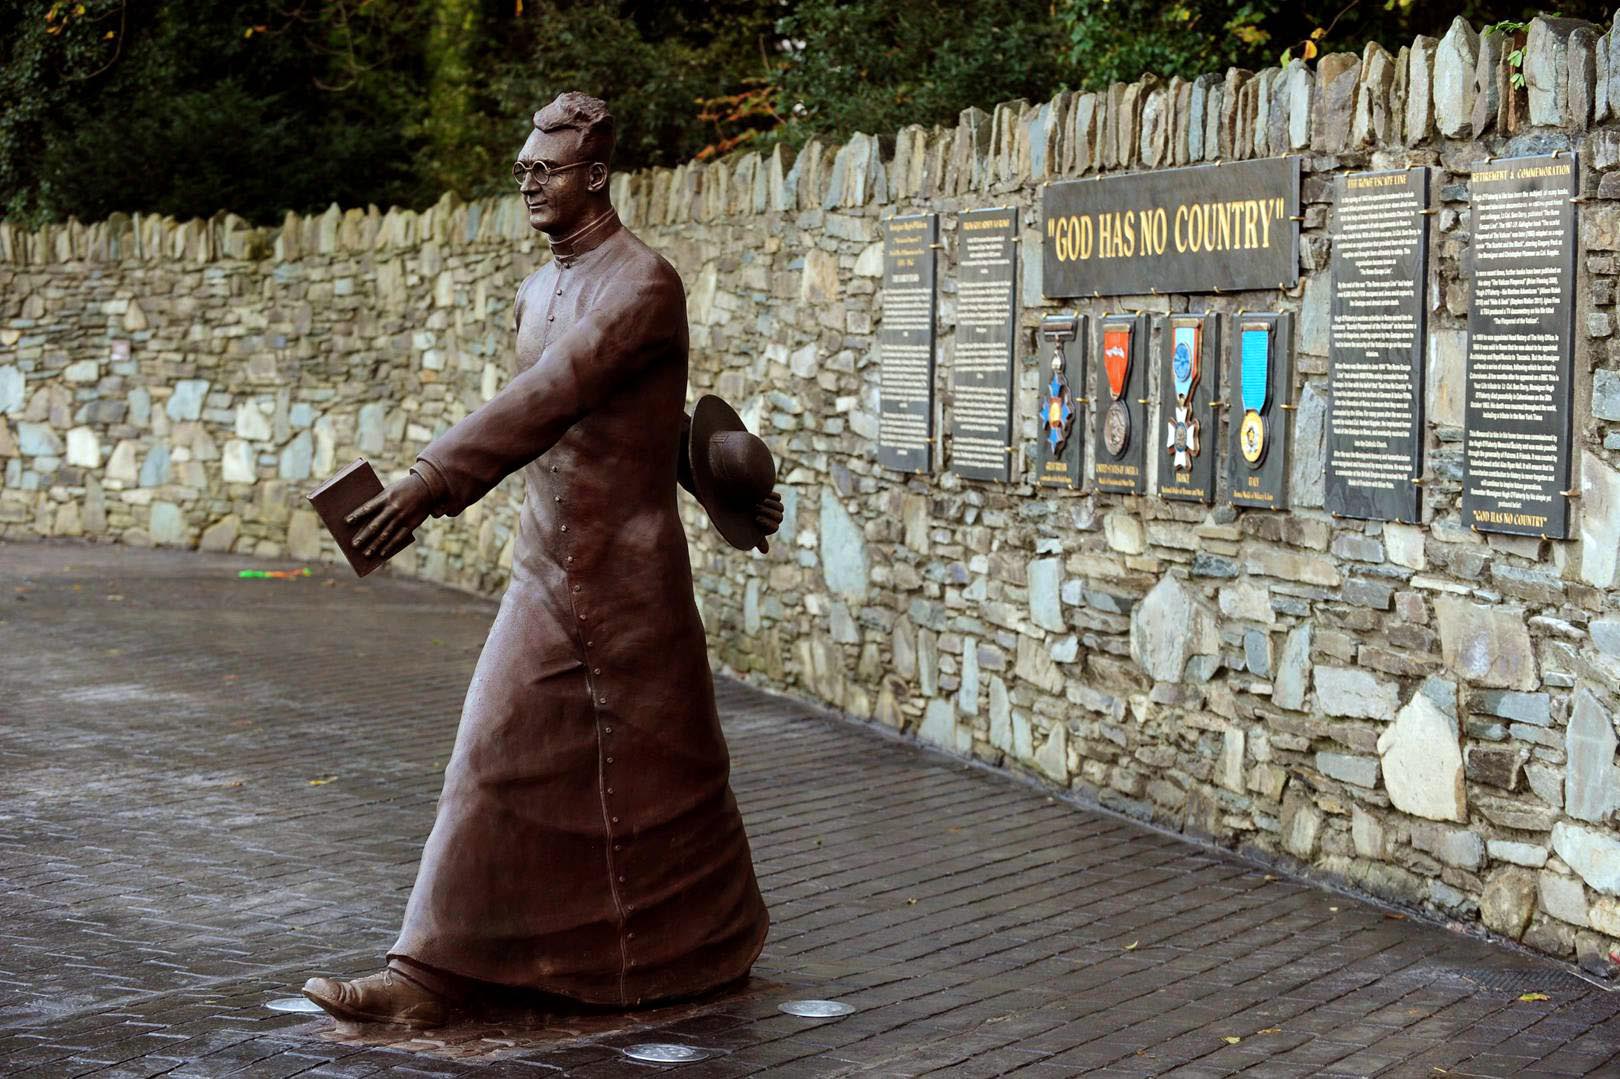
587, 842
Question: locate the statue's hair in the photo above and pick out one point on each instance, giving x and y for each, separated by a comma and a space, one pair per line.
574, 111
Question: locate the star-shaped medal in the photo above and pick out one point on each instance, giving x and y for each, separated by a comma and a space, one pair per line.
1057, 412
1183, 437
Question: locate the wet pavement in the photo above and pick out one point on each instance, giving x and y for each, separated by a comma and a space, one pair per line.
211, 788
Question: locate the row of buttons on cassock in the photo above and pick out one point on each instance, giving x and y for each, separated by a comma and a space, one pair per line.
606, 729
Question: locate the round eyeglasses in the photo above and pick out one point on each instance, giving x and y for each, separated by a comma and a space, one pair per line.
541, 171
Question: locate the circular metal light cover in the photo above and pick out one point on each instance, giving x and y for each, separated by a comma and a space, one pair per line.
666, 1053
816, 1009
294, 1004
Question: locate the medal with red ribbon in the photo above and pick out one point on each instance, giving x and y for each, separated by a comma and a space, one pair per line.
1117, 365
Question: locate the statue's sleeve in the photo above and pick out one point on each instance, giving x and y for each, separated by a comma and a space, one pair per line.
683, 458
639, 316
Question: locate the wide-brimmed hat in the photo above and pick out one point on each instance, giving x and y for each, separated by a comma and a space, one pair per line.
731, 469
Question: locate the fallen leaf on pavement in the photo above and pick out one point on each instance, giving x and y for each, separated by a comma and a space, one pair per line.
321, 781
1534, 996
1231, 1039
1131, 947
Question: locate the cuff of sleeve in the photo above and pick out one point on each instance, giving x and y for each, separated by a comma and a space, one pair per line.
683, 457
429, 473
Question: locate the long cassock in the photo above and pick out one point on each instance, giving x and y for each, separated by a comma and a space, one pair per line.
587, 842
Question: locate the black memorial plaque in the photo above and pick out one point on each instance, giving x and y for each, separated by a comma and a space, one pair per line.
1258, 410
986, 330
1521, 342
1119, 402
1060, 459
1189, 429
1375, 422
1202, 229
906, 344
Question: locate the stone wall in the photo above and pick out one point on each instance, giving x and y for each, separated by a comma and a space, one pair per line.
1423, 712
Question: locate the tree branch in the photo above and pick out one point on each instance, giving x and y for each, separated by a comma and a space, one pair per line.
118, 47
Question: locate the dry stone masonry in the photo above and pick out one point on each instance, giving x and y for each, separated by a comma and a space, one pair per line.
1419, 710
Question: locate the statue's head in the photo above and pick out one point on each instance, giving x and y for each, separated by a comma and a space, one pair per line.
573, 139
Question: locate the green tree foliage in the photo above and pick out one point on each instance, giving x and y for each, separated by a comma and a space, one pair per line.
188, 107
655, 64
456, 135
1185, 38
192, 106
877, 65
1107, 41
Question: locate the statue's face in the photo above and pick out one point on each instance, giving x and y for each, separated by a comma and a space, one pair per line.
559, 205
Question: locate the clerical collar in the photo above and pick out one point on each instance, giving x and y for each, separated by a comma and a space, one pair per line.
582, 240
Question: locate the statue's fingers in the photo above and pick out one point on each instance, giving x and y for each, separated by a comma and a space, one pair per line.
763, 545
367, 508
395, 545
385, 536
363, 536
382, 521
403, 532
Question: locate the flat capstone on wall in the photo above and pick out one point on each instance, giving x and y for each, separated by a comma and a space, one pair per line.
1421, 711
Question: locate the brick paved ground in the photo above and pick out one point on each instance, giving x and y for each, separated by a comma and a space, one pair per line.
210, 788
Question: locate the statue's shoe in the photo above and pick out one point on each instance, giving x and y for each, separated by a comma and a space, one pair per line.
384, 997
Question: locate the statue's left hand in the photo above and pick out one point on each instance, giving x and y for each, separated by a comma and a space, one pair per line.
394, 515
768, 516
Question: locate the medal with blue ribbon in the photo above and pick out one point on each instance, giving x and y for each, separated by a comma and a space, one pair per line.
1254, 370
1186, 355
1057, 403
1056, 413
1184, 359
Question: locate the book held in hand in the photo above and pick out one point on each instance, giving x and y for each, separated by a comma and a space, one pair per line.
340, 496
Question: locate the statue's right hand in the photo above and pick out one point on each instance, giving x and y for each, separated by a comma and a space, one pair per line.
768, 516
391, 517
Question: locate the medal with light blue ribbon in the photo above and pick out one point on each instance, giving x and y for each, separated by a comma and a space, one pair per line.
1254, 369
1184, 359
1186, 354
